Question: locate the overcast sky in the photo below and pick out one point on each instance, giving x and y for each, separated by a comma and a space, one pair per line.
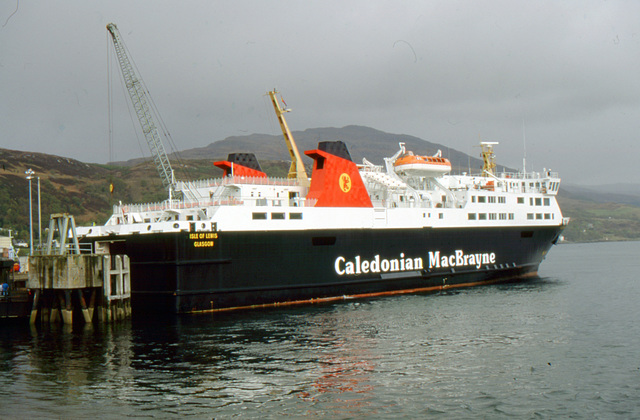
449, 72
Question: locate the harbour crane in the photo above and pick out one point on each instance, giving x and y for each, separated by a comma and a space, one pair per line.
138, 96
296, 170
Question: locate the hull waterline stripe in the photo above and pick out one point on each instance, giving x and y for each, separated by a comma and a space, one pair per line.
364, 295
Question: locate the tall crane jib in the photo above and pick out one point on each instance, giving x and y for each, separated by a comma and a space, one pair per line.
140, 104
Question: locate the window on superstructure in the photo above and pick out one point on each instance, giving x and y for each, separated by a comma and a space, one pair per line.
441, 216
259, 216
493, 216
492, 199
296, 216
538, 216
512, 216
471, 216
538, 201
473, 198
277, 216
502, 200
503, 216
547, 202
529, 216
520, 200
190, 217
482, 216
547, 216
482, 199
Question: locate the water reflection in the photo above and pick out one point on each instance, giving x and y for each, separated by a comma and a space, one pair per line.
273, 360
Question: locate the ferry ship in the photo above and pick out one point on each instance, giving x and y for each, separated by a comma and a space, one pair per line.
350, 230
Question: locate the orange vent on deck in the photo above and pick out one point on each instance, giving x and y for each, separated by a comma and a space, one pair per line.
241, 164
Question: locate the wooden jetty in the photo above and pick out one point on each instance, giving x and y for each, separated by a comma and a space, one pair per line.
15, 301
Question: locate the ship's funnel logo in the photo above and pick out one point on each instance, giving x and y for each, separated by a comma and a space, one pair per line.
345, 183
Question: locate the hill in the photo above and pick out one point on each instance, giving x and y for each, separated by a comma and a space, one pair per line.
603, 221
83, 189
610, 193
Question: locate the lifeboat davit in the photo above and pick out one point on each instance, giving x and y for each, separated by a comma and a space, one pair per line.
417, 165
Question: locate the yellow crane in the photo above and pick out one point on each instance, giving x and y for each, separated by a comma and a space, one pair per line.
296, 170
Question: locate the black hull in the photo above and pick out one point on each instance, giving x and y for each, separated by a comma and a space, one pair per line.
194, 272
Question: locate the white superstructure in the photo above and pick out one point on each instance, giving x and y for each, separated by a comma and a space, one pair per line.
240, 203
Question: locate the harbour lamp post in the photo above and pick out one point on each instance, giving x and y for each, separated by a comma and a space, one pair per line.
39, 218
30, 174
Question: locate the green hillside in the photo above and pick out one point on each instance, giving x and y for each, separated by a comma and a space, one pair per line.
591, 221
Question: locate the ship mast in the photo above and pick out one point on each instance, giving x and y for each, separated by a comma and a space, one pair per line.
488, 158
296, 170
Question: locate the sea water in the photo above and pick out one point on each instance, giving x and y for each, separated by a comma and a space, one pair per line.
564, 345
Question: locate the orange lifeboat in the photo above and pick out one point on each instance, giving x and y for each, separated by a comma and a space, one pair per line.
416, 165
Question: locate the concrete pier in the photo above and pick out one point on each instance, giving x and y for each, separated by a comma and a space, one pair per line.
66, 282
